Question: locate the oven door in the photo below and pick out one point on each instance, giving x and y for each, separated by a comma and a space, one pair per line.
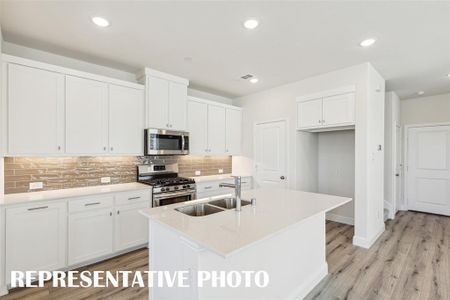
172, 197
166, 142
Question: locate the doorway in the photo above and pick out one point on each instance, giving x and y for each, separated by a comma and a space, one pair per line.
270, 153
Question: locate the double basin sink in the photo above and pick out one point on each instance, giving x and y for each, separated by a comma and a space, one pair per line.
211, 207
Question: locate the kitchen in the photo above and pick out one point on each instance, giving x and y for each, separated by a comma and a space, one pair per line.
162, 158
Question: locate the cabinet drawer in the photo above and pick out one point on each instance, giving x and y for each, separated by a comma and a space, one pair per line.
205, 187
133, 196
95, 202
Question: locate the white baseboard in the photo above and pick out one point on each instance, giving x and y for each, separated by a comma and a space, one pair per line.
367, 242
340, 219
303, 290
3, 291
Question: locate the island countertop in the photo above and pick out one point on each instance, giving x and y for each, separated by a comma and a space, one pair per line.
230, 231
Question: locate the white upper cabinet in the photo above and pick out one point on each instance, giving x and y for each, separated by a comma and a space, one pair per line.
86, 116
330, 110
339, 110
51, 110
35, 103
177, 105
233, 131
157, 102
126, 120
309, 113
166, 100
216, 129
197, 119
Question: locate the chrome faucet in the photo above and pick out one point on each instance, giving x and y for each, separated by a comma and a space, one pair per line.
237, 190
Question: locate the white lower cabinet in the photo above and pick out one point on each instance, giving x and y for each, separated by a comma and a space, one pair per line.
90, 235
130, 227
36, 237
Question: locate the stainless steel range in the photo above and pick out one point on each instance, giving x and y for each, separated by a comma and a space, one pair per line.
168, 188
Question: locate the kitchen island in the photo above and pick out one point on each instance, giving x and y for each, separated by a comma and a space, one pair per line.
283, 235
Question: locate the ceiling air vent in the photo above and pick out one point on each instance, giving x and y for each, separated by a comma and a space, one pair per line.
248, 76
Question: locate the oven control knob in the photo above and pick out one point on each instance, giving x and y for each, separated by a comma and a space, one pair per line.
176, 187
163, 189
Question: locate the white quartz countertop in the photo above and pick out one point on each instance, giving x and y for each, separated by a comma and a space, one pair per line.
21, 198
213, 177
230, 231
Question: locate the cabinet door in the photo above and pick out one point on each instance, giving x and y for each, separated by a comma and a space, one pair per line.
216, 129
309, 113
86, 116
339, 110
90, 235
158, 103
36, 237
130, 227
233, 131
177, 106
126, 120
35, 100
197, 117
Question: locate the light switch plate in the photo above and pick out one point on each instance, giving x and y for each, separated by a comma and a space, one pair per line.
36, 185
105, 179
198, 173
220, 171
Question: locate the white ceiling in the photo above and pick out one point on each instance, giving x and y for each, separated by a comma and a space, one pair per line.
295, 40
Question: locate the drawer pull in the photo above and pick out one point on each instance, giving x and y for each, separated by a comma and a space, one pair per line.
93, 203
134, 198
37, 208
208, 187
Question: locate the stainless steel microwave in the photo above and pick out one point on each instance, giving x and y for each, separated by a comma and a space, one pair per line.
166, 142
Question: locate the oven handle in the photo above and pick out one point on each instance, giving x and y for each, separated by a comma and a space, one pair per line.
170, 195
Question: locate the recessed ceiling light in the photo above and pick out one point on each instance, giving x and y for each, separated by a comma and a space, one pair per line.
368, 42
254, 80
99, 21
251, 24
420, 93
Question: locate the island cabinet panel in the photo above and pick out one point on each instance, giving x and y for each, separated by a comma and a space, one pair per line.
126, 120
86, 116
90, 229
35, 111
233, 132
197, 114
130, 227
36, 237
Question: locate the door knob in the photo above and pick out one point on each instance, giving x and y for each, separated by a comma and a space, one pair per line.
282, 177
397, 175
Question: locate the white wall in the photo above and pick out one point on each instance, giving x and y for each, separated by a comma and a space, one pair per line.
423, 110
336, 158
279, 103
2, 172
392, 119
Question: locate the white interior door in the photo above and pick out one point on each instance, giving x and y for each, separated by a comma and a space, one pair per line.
270, 154
398, 167
428, 169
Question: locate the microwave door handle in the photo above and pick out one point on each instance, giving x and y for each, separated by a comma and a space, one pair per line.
182, 142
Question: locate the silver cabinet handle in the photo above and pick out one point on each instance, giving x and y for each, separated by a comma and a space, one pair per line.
208, 187
104, 148
112, 149
59, 148
37, 208
110, 213
118, 212
92, 203
134, 198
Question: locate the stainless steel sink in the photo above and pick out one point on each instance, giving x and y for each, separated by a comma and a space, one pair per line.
228, 203
199, 210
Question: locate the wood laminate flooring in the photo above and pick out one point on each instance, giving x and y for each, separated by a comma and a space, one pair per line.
411, 260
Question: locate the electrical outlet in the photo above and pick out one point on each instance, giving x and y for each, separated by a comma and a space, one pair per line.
36, 185
220, 171
198, 173
105, 179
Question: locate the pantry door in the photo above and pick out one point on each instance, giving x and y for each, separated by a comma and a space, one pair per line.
270, 154
428, 169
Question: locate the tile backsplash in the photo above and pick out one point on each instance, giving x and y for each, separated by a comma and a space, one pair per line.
69, 172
